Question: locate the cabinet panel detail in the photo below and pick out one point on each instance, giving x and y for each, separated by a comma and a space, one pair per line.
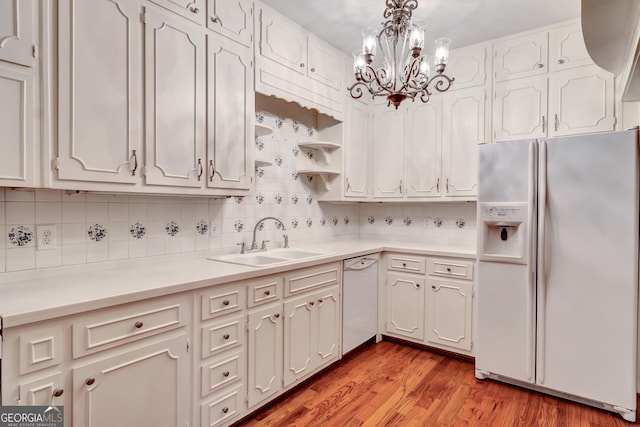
311, 278
16, 31
224, 408
41, 349
221, 337
41, 392
231, 18
222, 300
220, 373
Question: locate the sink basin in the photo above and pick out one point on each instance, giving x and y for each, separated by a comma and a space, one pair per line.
265, 258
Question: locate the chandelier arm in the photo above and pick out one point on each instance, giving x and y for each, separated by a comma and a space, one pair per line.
370, 76
442, 82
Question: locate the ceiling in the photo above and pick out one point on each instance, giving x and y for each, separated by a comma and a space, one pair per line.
464, 21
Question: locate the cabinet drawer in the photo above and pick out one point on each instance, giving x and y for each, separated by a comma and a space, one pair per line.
460, 269
40, 348
220, 410
407, 263
264, 290
122, 324
222, 336
306, 279
221, 300
221, 373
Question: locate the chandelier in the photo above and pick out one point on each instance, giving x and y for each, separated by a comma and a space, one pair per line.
405, 71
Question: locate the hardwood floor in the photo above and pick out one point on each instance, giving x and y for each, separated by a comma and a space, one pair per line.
389, 384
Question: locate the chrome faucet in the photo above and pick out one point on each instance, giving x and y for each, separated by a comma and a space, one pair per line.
254, 244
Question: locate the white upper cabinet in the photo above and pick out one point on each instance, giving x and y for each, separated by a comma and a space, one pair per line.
520, 109
175, 102
195, 10
520, 57
464, 127
356, 149
99, 129
231, 18
16, 122
423, 149
16, 31
387, 169
567, 48
581, 101
283, 41
324, 65
468, 66
229, 114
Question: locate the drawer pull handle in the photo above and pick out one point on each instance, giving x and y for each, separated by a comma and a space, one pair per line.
194, 9
560, 61
313, 69
90, 381
225, 410
267, 293
302, 65
320, 301
58, 392
225, 302
311, 303
138, 324
539, 65
225, 374
449, 269
433, 286
226, 336
417, 285
404, 264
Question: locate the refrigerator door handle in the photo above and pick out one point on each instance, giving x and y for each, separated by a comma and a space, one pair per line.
531, 260
541, 276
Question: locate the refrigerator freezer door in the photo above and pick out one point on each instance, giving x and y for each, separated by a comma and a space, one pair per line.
505, 296
587, 271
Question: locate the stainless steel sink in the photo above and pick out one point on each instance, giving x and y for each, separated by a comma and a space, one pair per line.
270, 257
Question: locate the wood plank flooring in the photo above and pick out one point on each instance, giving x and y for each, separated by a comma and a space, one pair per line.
389, 384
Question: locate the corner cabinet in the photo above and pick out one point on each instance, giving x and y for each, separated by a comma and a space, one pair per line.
169, 111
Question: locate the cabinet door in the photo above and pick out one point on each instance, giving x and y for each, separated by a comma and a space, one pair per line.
155, 376
449, 305
265, 353
299, 338
581, 101
231, 18
42, 392
16, 122
520, 109
175, 97
423, 149
230, 101
567, 48
283, 41
405, 306
520, 57
463, 129
99, 91
388, 140
328, 326
355, 150
325, 63
468, 66
190, 9
16, 31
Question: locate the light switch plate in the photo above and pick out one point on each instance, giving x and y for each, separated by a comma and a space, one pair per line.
46, 237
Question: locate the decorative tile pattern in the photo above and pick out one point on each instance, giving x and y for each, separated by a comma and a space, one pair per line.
238, 225
278, 198
309, 199
295, 175
137, 231
323, 221
172, 228
259, 198
295, 150
279, 122
20, 235
260, 172
259, 117
388, 220
294, 222
202, 227
309, 222
239, 199
97, 232
260, 226
278, 160
371, 219
259, 144
408, 221
295, 126
334, 220
311, 131
438, 222
294, 199
460, 223
346, 220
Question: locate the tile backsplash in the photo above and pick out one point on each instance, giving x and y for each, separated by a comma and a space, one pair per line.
89, 227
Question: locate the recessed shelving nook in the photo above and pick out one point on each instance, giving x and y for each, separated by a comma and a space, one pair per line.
320, 161
262, 130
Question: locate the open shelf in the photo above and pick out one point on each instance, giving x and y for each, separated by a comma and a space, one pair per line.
262, 163
322, 145
263, 130
325, 176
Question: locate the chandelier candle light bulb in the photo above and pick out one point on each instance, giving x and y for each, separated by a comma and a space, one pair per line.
405, 71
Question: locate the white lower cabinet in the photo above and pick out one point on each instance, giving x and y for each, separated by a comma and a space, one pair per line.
115, 391
439, 314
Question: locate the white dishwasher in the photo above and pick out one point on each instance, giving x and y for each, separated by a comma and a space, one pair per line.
359, 301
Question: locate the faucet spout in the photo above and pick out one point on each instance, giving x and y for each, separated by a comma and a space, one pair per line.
254, 244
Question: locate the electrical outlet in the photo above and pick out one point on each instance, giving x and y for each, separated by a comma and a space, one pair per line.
46, 237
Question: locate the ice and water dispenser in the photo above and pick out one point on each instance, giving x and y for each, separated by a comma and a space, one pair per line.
503, 232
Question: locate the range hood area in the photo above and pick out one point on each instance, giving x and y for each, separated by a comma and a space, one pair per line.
611, 30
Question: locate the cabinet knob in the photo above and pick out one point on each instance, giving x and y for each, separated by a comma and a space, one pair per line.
313, 69
225, 302
277, 315
433, 286
417, 285
311, 302
267, 292
226, 336
539, 65
302, 65
225, 374
320, 301
404, 264
138, 324
449, 269
90, 381
561, 61
215, 19
194, 9
58, 392
225, 410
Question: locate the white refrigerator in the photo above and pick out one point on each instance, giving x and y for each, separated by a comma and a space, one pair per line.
557, 290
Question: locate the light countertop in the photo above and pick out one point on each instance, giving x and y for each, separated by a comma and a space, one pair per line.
37, 295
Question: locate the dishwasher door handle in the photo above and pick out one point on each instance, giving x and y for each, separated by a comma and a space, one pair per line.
361, 264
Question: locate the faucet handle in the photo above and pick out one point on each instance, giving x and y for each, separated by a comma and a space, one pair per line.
264, 245
286, 240
241, 247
